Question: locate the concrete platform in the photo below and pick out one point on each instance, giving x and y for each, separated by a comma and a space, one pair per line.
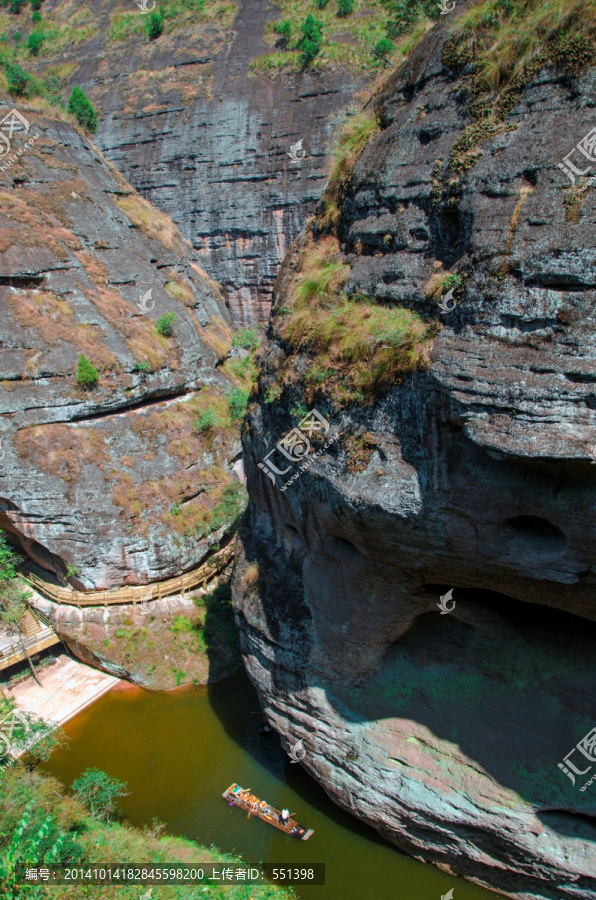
68, 686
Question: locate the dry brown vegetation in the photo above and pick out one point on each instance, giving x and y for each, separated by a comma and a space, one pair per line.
184, 500
354, 346
55, 319
143, 341
62, 450
153, 223
218, 335
353, 138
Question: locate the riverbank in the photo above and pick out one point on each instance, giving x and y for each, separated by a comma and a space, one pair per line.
178, 751
85, 839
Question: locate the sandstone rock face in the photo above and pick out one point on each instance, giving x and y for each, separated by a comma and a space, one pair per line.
112, 479
206, 140
445, 731
159, 645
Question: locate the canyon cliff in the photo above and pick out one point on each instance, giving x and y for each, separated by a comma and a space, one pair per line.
205, 135
109, 483
461, 470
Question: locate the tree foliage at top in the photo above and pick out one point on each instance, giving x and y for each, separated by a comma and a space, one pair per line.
405, 12
80, 106
311, 40
99, 792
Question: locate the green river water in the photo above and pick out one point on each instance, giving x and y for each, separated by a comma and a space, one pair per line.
179, 750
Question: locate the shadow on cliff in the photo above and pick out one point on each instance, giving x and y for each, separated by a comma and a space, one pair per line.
512, 692
236, 705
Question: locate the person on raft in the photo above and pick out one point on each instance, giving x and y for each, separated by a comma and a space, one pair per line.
284, 816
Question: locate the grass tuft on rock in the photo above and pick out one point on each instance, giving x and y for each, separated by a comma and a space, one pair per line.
353, 138
355, 347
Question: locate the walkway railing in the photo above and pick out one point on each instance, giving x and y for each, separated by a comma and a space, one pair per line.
137, 593
14, 651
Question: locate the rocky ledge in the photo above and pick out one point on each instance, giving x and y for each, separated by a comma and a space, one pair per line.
443, 730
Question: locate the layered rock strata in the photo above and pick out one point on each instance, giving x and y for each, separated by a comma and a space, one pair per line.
445, 730
105, 484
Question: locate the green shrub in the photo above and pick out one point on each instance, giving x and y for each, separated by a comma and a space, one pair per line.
206, 421
181, 625
17, 79
165, 324
408, 12
36, 17
321, 4
284, 30
16, 6
82, 109
311, 40
87, 374
272, 393
231, 506
99, 792
35, 4
248, 338
345, 8
237, 402
154, 25
34, 42
383, 49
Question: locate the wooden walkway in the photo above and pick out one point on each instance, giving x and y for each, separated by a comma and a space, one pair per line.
37, 635
137, 593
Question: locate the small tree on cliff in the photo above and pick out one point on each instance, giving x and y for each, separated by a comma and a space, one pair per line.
311, 40
17, 80
13, 598
87, 374
383, 49
154, 25
80, 106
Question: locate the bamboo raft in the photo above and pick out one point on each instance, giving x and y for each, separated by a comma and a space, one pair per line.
237, 796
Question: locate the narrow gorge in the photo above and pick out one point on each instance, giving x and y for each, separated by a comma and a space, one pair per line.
297, 353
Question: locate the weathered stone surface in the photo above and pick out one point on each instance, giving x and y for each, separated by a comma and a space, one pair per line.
445, 732
88, 477
152, 645
206, 140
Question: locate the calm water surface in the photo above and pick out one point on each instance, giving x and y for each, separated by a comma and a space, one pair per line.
179, 750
